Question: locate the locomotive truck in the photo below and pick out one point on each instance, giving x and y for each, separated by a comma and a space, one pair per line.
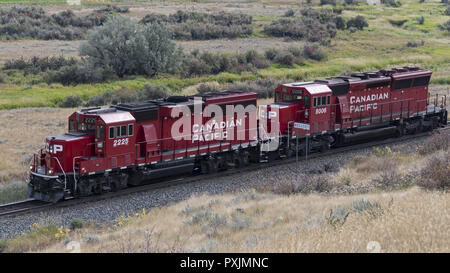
108, 149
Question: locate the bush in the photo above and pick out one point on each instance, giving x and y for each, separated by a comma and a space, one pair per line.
285, 58
420, 20
2, 77
289, 13
445, 26
436, 173
76, 223
340, 22
391, 3
36, 65
97, 100
398, 22
415, 44
151, 92
203, 26
26, 22
447, 11
71, 101
437, 142
128, 48
314, 52
271, 53
328, 2
358, 22
313, 26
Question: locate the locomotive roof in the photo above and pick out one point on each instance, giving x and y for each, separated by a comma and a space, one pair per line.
340, 85
118, 116
108, 115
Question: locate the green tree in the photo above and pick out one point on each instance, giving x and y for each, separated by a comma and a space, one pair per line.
129, 48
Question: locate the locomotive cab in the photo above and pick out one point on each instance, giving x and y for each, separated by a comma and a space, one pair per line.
93, 134
308, 103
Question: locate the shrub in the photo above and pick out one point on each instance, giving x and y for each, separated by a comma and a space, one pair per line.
151, 92
415, 44
203, 26
271, 53
71, 101
289, 13
397, 22
36, 65
436, 173
389, 178
391, 3
129, 48
76, 223
285, 58
358, 22
447, 11
313, 26
206, 88
437, 142
351, 2
445, 26
240, 221
328, 2
2, 77
25, 22
420, 20
340, 22
314, 52
97, 100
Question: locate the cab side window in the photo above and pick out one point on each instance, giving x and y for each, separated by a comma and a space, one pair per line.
306, 101
100, 132
121, 131
130, 129
111, 132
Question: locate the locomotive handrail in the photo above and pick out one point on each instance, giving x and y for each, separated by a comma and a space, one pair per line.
74, 174
62, 169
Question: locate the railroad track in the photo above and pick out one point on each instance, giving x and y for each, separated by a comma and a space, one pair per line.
22, 206
30, 205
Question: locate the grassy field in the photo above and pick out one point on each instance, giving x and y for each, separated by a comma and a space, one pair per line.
382, 45
373, 203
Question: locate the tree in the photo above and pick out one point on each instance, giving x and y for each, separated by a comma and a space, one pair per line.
129, 48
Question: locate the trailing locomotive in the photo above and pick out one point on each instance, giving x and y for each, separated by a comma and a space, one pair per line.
111, 148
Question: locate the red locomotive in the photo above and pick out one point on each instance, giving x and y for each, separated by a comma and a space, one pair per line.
109, 149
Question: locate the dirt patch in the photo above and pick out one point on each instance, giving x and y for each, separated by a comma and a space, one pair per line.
28, 48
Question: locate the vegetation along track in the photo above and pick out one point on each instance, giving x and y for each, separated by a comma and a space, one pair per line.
30, 205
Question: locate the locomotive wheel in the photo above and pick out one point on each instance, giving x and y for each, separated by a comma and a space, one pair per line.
238, 162
208, 166
324, 147
245, 158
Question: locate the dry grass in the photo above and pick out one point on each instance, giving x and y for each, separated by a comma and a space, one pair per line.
409, 221
23, 133
353, 211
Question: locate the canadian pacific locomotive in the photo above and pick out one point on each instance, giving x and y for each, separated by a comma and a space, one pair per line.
107, 149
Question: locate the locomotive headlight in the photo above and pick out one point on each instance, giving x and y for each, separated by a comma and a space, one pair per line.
50, 171
306, 113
